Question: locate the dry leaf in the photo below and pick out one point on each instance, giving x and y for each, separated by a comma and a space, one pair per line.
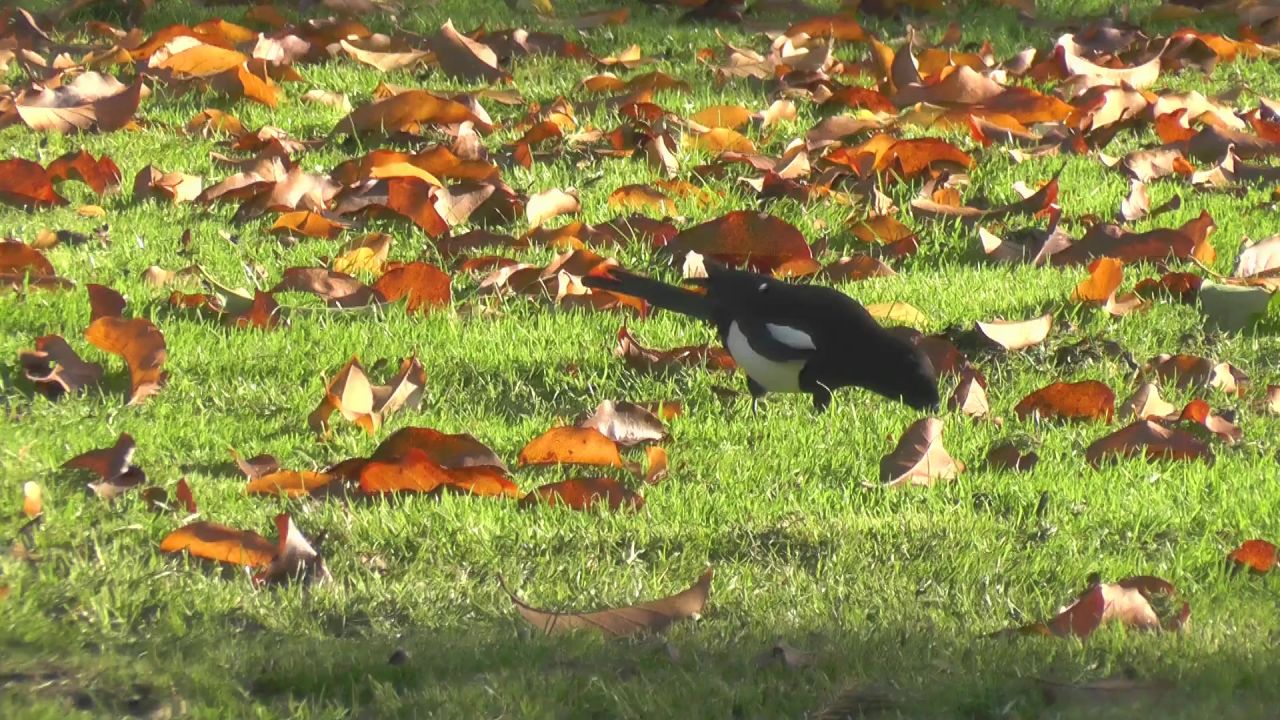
650, 617
919, 458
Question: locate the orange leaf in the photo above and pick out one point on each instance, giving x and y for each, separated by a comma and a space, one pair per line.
101, 174
1257, 555
25, 184
1084, 400
571, 446
1105, 276
212, 541
446, 450
424, 286
415, 472
405, 112
142, 347
582, 493
305, 222
32, 501
743, 237
290, 483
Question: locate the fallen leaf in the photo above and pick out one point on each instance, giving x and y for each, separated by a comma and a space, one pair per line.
114, 467
25, 184
447, 450
90, 102
1017, 334
294, 557
220, 543
1151, 440
100, 174
290, 483
656, 466
423, 286
757, 240
1083, 400
55, 369
175, 187
1195, 372
641, 358
140, 344
256, 466
349, 393
1007, 456
545, 205
571, 446
1188, 241
1132, 602
970, 396
650, 617
1146, 403
583, 493
1258, 556
405, 112
1105, 276
625, 423
461, 57
308, 224
416, 472
919, 458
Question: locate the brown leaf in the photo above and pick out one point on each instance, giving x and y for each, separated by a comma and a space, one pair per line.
1194, 371
1007, 456
655, 464
449, 451
461, 57
385, 61
1272, 399
1132, 602
1150, 439
405, 112
1259, 556
176, 187
650, 617
1083, 400
1257, 258
625, 423
547, 204
1105, 276
335, 288
101, 174
291, 483
757, 240
1146, 403
1017, 334
294, 557
220, 543
349, 393
1137, 77
571, 446
91, 101
142, 347
256, 466
583, 493
1190, 240
415, 472
424, 287
114, 467
970, 396
919, 458
25, 184
308, 224
646, 359
55, 369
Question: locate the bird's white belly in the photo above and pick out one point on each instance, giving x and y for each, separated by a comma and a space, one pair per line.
772, 375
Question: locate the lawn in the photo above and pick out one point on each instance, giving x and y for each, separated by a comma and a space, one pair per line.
885, 590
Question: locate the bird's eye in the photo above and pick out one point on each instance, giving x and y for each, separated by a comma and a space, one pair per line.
763, 287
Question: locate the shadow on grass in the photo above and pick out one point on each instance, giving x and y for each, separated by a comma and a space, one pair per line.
507, 670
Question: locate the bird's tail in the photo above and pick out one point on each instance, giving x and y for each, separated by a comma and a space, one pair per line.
655, 292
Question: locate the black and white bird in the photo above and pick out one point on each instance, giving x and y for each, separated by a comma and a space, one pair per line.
789, 337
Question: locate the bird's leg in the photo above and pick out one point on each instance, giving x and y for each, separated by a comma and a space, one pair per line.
757, 391
821, 399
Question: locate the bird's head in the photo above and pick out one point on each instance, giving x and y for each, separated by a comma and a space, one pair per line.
906, 374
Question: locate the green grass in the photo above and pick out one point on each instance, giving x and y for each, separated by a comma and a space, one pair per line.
888, 587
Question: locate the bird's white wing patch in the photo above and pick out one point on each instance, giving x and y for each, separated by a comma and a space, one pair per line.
791, 337
772, 375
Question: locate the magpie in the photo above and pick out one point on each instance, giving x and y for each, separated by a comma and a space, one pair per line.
789, 337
